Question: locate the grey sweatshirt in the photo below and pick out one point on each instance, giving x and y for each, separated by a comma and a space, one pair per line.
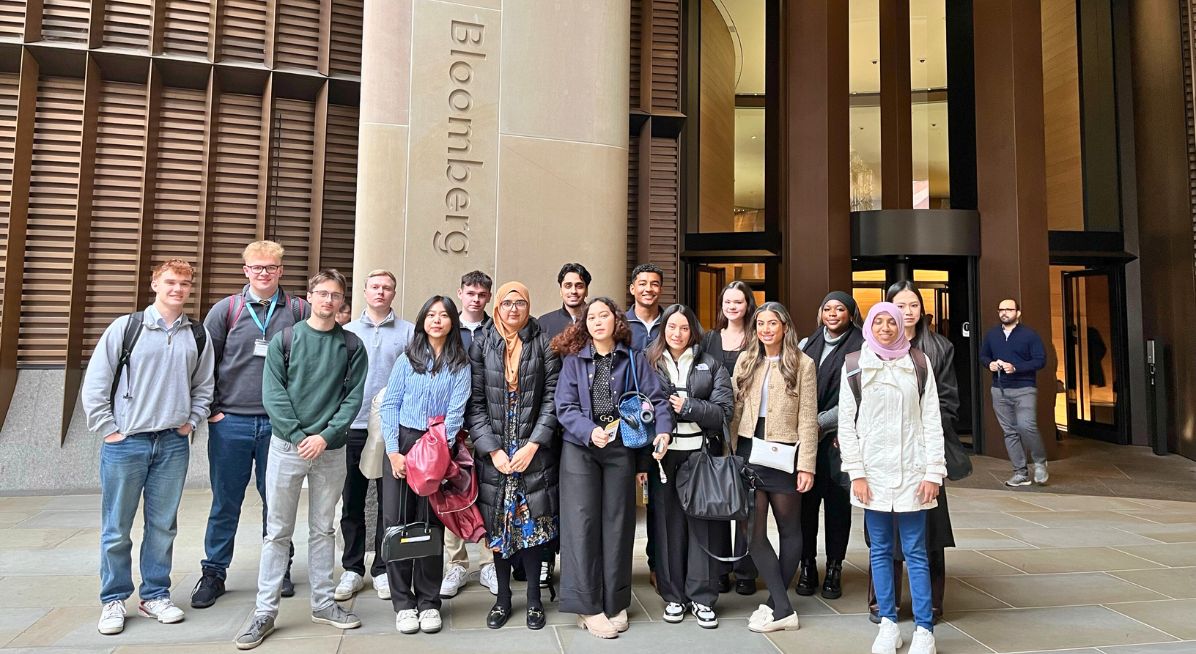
384, 343
238, 371
165, 384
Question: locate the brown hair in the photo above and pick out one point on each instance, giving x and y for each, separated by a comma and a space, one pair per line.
720, 320
753, 357
656, 350
176, 266
381, 272
576, 337
327, 274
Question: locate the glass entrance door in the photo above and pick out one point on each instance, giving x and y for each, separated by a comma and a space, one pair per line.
1092, 359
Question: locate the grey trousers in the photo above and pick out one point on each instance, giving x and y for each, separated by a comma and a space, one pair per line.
1016, 410
285, 472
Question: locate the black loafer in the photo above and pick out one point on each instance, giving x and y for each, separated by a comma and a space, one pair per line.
288, 586
536, 618
498, 616
724, 584
745, 586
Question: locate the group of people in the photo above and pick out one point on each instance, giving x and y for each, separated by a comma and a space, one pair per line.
855, 414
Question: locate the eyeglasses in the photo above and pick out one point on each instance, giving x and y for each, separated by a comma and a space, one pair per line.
257, 270
324, 295
1005, 310
507, 305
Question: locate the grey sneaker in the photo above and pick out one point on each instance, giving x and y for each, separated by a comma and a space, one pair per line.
1040, 474
256, 632
336, 616
1018, 479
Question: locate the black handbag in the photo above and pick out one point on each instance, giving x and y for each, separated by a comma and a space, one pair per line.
959, 464
714, 487
413, 540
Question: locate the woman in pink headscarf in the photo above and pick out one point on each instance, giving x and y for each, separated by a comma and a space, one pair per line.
891, 439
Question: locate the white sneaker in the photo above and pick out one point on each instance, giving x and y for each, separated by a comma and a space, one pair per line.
489, 578
674, 612
350, 583
454, 580
112, 618
1040, 473
429, 621
382, 587
162, 609
407, 621
889, 638
923, 642
707, 618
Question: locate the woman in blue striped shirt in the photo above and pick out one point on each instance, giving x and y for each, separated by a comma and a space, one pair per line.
430, 380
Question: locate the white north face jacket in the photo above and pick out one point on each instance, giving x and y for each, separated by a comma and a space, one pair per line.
896, 442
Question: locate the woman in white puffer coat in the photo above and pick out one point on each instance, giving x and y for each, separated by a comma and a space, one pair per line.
891, 441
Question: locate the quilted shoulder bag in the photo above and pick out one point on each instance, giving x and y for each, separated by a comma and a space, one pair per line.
637, 417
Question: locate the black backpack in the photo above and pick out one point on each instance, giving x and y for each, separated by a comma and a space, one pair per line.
851, 363
133, 334
351, 344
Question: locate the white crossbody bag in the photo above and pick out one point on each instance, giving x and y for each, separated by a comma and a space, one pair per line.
778, 456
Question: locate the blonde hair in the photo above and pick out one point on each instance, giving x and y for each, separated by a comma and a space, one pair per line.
753, 357
264, 249
176, 266
381, 272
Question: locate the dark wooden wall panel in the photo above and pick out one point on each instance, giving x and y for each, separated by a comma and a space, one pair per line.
120, 151
9, 87
235, 189
65, 20
244, 34
289, 207
54, 185
187, 25
12, 19
345, 48
637, 19
297, 44
179, 176
127, 23
340, 190
666, 55
664, 203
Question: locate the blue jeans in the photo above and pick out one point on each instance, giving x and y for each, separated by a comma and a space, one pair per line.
238, 445
153, 463
911, 529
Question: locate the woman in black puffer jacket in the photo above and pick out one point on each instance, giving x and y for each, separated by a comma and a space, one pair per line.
512, 425
700, 395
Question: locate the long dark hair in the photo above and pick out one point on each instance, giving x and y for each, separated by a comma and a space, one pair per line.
577, 336
906, 285
420, 352
720, 321
656, 349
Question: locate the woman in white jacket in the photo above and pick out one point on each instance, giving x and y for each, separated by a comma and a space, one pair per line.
891, 441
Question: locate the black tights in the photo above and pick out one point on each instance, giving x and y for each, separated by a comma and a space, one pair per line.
529, 559
777, 573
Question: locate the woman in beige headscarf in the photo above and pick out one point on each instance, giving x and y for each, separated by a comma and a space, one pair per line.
512, 425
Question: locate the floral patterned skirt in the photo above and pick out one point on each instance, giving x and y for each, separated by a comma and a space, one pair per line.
515, 528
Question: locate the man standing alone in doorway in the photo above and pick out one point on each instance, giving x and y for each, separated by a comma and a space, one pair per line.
1014, 354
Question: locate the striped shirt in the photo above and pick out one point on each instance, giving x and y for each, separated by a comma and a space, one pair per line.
412, 398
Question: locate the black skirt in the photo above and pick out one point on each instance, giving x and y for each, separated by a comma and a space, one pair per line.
770, 479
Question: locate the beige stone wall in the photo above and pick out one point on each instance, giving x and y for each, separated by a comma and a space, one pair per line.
493, 137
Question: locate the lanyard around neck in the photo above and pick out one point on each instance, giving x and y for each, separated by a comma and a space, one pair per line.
269, 314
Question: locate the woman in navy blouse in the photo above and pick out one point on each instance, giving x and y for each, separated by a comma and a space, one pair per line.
598, 494
430, 380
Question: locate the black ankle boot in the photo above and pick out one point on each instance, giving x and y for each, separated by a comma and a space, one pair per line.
832, 586
807, 581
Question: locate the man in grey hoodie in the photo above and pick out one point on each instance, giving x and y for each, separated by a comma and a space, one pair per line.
148, 385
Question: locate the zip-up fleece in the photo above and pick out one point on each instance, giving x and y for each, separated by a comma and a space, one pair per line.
165, 384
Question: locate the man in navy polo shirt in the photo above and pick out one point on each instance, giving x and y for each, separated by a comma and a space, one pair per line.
1014, 354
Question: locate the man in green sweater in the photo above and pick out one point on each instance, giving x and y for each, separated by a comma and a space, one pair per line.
311, 389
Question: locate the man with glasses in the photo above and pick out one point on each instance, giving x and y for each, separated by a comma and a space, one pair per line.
312, 386
1014, 354
385, 337
241, 327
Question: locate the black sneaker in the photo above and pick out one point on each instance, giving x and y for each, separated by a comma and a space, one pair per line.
209, 588
288, 586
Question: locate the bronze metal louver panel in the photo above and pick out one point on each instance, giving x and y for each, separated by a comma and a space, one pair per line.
235, 189
1187, 48
8, 135
119, 159
178, 181
666, 55
12, 19
345, 46
186, 27
633, 200
127, 23
637, 17
243, 37
297, 43
65, 20
664, 206
53, 193
340, 190
288, 211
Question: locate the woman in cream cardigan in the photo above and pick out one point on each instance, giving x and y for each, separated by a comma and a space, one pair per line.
776, 417
892, 445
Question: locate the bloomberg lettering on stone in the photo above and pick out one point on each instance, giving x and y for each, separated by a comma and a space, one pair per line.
467, 42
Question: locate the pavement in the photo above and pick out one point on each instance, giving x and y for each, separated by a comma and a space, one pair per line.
1074, 567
